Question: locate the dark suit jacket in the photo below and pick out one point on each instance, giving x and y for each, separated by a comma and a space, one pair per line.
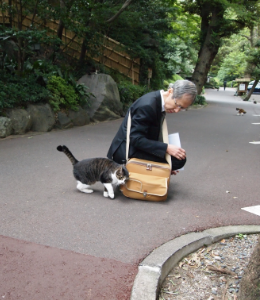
145, 129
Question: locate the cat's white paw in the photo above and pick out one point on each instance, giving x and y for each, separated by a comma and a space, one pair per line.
105, 194
87, 191
112, 196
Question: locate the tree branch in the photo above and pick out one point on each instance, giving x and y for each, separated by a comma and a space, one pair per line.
125, 5
246, 37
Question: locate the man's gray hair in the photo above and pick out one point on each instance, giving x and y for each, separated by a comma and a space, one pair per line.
181, 87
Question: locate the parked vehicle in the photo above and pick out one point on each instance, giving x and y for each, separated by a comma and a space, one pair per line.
257, 88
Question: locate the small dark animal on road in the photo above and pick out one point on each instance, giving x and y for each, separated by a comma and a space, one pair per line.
89, 171
240, 112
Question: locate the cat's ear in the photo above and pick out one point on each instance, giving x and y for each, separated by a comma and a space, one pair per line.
121, 169
125, 171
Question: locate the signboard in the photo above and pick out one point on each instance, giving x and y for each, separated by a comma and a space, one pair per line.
242, 87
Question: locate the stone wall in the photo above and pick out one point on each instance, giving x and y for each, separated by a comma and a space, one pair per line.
104, 105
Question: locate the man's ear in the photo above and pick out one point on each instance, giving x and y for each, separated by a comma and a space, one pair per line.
170, 91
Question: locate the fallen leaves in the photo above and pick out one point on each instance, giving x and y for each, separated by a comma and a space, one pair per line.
221, 270
212, 272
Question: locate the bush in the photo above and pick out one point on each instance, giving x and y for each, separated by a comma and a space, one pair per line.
232, 84
129, 93
213, 83
63, 96
174, 78
200, 100
19, 91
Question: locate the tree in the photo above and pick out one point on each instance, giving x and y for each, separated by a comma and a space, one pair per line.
22, 41
219, 19
225, 63
233, 66
250, 282
181, 51
96, 16
254, 66
124, 7
143, 29
181, 56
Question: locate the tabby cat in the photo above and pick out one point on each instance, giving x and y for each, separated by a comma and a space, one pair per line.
89, 171
241, 112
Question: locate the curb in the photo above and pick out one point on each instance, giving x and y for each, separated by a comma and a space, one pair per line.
156, 266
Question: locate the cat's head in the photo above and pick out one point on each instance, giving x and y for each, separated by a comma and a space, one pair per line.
122, 175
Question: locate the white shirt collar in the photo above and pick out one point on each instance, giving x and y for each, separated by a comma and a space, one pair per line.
162, 91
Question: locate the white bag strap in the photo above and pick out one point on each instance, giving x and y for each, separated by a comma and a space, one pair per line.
165, 138
128, 134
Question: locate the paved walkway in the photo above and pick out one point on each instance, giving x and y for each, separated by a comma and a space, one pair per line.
58, 243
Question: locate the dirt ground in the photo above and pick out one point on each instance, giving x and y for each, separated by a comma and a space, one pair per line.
211, 273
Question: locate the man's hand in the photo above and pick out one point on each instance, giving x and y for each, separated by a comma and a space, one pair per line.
175, 172
176, 151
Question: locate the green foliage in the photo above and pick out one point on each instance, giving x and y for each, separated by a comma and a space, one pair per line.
147, 24
17, 45
63, 96
174, 78
237, 43
213, 83
159, 71
115, 74
44, 69
180, 55
219, 19
82, 90
199, 100
232, 83
129, 93
233, 66
241, 236
18, 91
253, 60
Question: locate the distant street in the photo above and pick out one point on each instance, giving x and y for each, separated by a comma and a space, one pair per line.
106, 239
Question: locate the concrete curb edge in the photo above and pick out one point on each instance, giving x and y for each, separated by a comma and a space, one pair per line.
156, 266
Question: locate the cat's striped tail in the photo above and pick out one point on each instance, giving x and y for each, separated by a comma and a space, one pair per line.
68, 153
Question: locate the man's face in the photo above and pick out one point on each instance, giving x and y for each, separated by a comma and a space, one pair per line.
174, 105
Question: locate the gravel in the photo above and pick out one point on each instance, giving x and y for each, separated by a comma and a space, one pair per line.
210, 273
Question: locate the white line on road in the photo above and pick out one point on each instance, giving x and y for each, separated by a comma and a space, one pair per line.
256, 115
255, 123
255, 143
253, 209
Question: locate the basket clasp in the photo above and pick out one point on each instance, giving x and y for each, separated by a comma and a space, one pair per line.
149, 167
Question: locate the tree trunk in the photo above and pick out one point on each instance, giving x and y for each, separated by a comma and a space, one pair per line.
82, 52
250, 283
199, 76
60, 30
125, 5
84, 43
10, 13
210, 43
205, 59
19, 56
61, 24
252, 90
65, 10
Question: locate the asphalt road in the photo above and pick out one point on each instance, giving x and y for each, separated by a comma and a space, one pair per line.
40, 204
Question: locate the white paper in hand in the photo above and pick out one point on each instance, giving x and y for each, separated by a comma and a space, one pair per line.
174, 139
